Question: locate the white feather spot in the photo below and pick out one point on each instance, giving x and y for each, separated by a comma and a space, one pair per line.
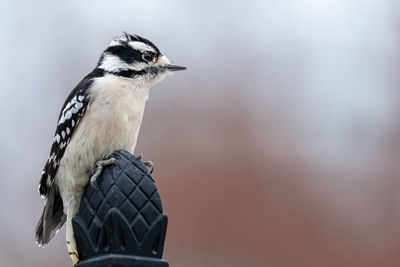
79, 105
68, 115
63, 134
141, 46
62, 119
81, 97
68, 130
73, 123
112, 62
67, 106
58, 138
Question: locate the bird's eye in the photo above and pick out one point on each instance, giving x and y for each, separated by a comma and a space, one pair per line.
148, 56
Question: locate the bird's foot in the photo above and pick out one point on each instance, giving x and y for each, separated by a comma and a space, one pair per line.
108, 160
149, 165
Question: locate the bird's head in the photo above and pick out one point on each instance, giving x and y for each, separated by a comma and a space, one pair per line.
135, 57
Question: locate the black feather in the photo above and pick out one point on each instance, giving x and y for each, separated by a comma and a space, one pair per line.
60, 144
52, 218
125, 53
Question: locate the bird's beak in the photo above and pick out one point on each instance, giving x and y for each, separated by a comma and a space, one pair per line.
171, 67
163, 62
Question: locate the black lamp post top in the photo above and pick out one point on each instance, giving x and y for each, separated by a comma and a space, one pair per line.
122, 223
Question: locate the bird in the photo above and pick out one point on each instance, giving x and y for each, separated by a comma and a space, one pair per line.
102, 114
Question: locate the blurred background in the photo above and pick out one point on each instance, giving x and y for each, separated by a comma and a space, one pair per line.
279, 146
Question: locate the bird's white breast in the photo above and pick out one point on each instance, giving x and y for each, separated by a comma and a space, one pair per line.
111, 122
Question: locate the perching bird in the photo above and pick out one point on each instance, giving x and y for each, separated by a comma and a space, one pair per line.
102, 114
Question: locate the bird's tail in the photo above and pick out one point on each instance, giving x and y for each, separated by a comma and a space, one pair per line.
52, 219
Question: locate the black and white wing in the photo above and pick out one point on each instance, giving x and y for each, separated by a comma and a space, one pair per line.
73, 110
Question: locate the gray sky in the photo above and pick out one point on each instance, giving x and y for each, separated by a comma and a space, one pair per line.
311, 79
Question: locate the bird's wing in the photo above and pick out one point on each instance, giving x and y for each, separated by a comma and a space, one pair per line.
71, 113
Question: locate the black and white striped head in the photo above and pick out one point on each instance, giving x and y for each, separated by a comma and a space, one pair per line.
135, 57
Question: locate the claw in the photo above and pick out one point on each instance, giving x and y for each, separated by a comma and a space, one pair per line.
140, 156
93, 183
113, 156
149, 165
110, 159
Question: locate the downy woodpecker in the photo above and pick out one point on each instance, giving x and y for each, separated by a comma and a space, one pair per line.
103, 113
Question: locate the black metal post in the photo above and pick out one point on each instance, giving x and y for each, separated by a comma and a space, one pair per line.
122, 223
